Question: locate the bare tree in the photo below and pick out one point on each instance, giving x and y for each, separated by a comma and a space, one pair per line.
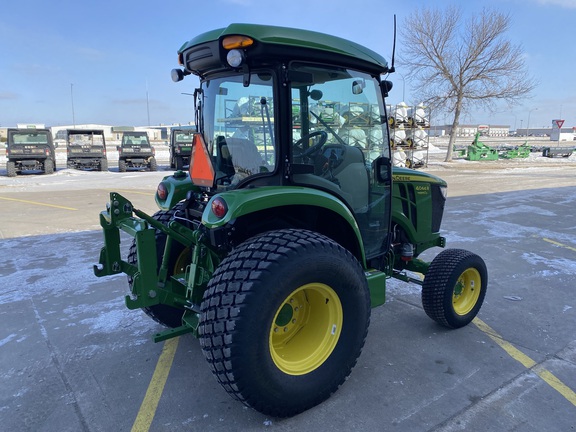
455, 65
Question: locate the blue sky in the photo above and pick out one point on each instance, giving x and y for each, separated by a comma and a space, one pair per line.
112, 59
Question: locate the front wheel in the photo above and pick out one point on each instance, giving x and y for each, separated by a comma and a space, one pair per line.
284, 319
454, 287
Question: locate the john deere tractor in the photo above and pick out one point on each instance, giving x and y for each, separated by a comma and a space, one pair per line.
276, 243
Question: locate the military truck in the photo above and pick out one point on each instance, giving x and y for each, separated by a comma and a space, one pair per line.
180, 147
86, 149
275, 245
135, 152
29, 149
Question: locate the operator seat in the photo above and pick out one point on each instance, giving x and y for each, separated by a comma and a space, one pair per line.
352, 176
241, 154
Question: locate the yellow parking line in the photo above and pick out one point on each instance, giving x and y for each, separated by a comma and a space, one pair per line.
38, 203
559, 244
547, 376
156, 387
135, 192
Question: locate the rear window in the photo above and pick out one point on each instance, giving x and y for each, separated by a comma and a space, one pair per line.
131, 140
30, 138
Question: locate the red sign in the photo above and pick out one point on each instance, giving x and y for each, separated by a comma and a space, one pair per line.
559, 123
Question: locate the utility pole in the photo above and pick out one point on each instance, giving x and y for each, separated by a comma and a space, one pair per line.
147, 103
72, 99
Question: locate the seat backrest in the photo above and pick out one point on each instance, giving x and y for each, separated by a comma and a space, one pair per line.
245, 155
352, 175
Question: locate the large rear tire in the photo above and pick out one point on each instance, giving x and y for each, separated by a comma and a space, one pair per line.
179, 163
48, 166
121, 165
153, 165
454, 287
284, 319
11, 169
179, 258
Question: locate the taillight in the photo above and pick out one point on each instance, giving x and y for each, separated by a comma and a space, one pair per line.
219, 207
162, 191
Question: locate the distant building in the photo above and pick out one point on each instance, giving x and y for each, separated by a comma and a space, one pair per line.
469, 130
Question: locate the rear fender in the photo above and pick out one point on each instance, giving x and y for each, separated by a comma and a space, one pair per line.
177, 187
247, 201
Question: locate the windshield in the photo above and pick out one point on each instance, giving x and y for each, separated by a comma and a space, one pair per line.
237, 123
30, 138
85, 139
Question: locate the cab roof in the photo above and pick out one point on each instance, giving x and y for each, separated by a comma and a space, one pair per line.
296, 41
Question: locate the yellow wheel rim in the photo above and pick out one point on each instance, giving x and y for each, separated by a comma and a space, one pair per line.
182, 262
467, 291
306, 329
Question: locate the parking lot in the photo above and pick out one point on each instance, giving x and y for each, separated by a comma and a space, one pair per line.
75, 359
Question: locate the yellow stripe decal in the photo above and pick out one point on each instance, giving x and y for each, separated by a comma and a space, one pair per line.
156, 387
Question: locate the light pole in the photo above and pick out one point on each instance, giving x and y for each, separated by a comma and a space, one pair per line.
147, 103
72, 99
528, 122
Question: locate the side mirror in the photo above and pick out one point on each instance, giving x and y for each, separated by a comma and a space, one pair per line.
358, 87
386, 87
383, 170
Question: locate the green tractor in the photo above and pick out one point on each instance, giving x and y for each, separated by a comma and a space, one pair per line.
275, 245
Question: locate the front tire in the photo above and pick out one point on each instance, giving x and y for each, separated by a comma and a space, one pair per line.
284, 319
454, 287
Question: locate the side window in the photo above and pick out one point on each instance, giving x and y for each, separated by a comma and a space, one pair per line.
242, 135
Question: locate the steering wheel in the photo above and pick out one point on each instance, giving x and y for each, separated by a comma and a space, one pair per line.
315, 148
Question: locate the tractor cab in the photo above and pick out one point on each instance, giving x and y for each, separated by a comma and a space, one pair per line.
296, 120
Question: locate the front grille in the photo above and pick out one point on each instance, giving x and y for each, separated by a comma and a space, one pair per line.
438, 202
408, 202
